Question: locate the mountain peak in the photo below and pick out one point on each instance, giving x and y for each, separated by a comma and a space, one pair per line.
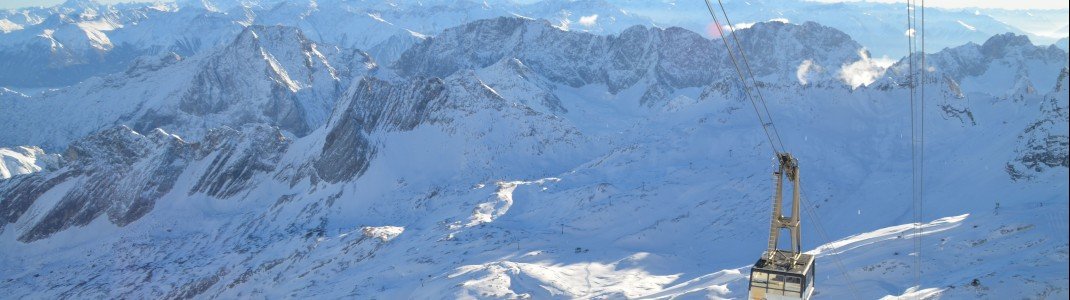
999, 45
807, 32
261, 35
294, 92
80, 4
119, 143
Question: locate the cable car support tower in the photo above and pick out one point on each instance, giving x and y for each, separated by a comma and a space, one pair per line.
778, 273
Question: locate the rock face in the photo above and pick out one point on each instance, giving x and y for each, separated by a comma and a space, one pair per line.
293, 93
119, 172
661, 59
236, 156
373, 105
986, 67
974, 60
511, 79
267, 75
122, 173
72, 42
1044, 144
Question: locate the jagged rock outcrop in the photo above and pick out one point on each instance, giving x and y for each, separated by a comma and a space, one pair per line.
1045, 143
511, 79
269, 74
373, 104
462, 106
293, 94
122, 174
237, 156
661, 59
1006, 66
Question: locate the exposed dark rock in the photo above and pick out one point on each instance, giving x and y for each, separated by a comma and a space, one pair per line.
373, 104
121, 173
672, 58
110, 181
1045, 143
237, 157
19, 193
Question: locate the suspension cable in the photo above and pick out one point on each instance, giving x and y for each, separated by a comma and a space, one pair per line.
731, 55
750, 72
917, 81
912, 76
746, 87
811, 213
921, 148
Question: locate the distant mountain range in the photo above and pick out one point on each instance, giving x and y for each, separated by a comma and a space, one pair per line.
66, 44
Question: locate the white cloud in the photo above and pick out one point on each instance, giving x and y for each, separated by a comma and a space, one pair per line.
589, 21
745, 25
740, 26
805, 68
864, 71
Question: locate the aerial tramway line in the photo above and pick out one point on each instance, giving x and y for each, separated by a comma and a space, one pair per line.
790, 273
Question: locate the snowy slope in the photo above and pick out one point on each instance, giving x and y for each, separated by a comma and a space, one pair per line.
495, 165
24, 160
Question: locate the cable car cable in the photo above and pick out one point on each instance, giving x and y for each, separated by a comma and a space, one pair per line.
746, 87
735, 64
750, 72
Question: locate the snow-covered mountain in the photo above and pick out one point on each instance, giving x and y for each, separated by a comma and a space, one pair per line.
303, 79
878, 25
511, 158
659, 61
25, 160
68, 43
267, 74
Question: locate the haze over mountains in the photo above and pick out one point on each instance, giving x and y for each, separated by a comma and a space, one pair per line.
444, 149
